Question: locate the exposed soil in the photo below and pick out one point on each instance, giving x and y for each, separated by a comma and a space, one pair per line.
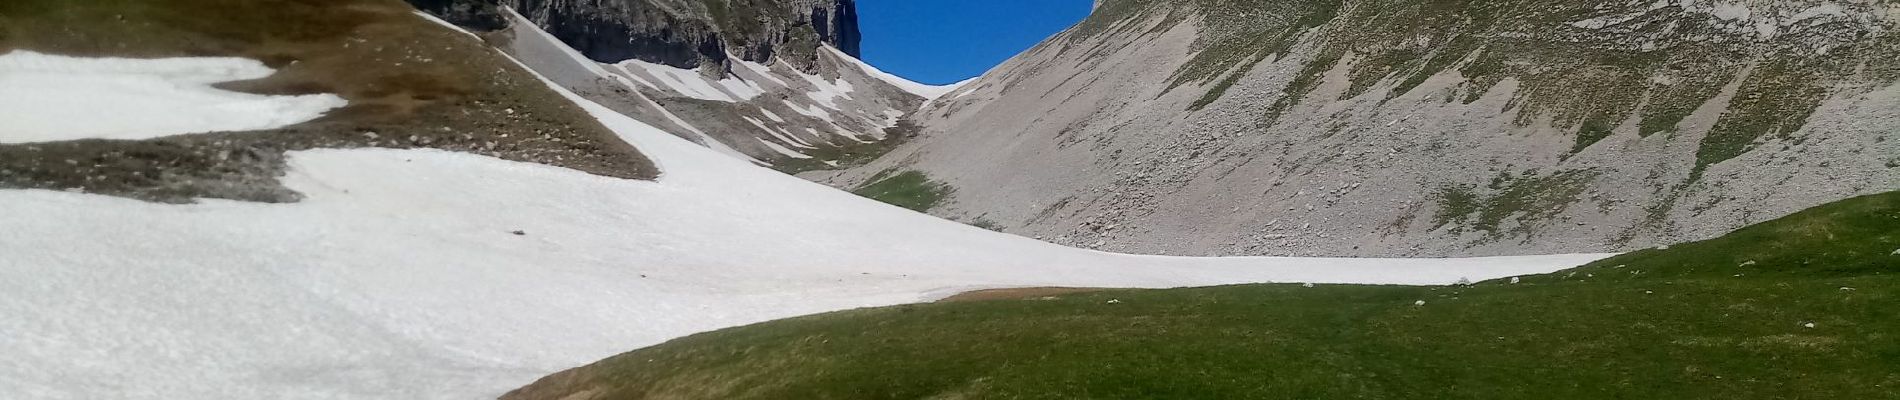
410, 84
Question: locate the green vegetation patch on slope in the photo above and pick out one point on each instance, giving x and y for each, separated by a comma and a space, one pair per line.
1656, 65
1236, 35
907, 189
1775, 100
410, 83
1798, 307
1527, 199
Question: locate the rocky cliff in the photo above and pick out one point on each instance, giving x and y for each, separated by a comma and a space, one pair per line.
680, 33
775, 82
686, 33
1406, 128
480, 15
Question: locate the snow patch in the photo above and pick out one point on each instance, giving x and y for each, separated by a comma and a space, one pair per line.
762, 71
741, 88
923, 90
47, 98
690, 83
1604, 21
685, 82
782, 150
827, 93
892, 116
813, 111
635, 77
775, 134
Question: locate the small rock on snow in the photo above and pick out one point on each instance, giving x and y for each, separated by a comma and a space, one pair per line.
519, 233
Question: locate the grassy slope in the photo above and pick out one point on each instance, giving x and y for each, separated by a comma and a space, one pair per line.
1694, 321
907, 189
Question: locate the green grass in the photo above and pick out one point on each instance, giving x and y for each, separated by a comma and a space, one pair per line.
986, 223
1775, 100
1723, 318
1528, 199
1592, 131
907, 189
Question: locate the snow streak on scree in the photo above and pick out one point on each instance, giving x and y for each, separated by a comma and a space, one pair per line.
46, 98
926, 91
423, 274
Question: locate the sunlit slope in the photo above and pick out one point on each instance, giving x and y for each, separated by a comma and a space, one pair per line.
1798, 307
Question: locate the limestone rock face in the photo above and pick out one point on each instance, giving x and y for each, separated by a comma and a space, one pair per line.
686, 33
680, 33
480, 15
775, 82
1405, 128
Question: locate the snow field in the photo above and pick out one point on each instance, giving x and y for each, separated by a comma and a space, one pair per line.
45, 98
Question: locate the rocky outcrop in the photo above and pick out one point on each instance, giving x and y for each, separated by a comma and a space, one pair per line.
1400, 128
480, 15
680, 33
687, 33
758, 93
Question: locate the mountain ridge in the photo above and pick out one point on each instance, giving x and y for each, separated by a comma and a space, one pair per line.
1341, 128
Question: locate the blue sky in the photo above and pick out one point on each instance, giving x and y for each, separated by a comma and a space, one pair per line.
945, 41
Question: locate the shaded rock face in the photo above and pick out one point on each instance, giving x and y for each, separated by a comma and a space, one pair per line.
838, 25
687, 33
680, 33
481, 15
808, 106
